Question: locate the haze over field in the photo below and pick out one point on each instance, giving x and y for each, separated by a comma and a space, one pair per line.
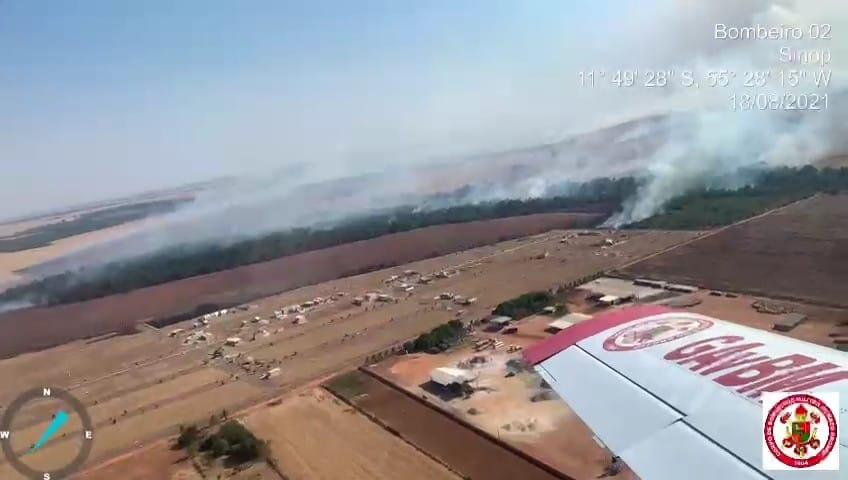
325, 110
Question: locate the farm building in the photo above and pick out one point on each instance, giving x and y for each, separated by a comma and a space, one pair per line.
232, 341
676, 287
608, 300
566, 321
644, 282
789, 321
502, 320
623, 289
446, 376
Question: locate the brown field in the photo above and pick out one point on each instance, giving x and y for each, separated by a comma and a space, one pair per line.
37, 328
797, 253
163, 383
820, 326
159, 463
12, 262
469, 453
316, 436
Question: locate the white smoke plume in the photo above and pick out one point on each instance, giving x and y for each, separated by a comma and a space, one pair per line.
709, 144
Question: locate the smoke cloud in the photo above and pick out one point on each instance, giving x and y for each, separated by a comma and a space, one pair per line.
517, 134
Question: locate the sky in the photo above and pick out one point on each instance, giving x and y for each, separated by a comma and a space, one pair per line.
101, 98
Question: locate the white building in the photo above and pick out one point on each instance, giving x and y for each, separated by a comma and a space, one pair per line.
567, 320
446, 376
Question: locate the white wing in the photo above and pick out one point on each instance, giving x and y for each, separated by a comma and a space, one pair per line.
677, 395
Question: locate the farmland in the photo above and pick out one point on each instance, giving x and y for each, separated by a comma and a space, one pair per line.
797, 253
434, 432
37, 328
315, 436
140, 387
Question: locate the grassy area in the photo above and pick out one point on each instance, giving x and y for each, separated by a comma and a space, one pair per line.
347, 385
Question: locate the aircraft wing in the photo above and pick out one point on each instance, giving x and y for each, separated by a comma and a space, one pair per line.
678, 395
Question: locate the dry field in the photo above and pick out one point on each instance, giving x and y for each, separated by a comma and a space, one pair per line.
37, 328
316, 436
797, 253
468, 452
12, 262
159, 463
821, 325
162, 383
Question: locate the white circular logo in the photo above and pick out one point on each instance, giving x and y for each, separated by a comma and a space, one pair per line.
653, 332
800, 431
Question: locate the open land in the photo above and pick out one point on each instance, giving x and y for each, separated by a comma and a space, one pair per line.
464, 449
36, 328
316, 436
795, 253
163, 381
12, 264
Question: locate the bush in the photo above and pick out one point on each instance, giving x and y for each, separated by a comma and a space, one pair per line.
524, 305
232, 440
438, 339
188, 436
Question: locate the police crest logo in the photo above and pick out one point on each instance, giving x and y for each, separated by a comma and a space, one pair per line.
654, 332
800, 431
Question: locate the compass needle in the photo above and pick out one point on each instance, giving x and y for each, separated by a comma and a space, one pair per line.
56, 425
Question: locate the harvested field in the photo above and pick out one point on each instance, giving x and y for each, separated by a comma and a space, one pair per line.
316, 436
38, 328
797, 253
470, 453
13, 263
160, 462
820, 326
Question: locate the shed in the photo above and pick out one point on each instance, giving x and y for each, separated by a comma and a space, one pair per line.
609, 300
232, 341
567, 320
446, 376
646, 282
789, 321
559, 324
500, 320
676, 287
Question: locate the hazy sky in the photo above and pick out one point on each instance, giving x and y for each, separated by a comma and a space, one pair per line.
105, 98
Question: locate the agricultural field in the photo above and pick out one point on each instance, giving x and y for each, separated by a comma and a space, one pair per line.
140, 387
30, 243
466, 451
37, 328
795, 253
316, 436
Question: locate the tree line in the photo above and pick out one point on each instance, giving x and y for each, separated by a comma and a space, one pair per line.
704, 208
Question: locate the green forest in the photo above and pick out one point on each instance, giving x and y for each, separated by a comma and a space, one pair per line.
695, 210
